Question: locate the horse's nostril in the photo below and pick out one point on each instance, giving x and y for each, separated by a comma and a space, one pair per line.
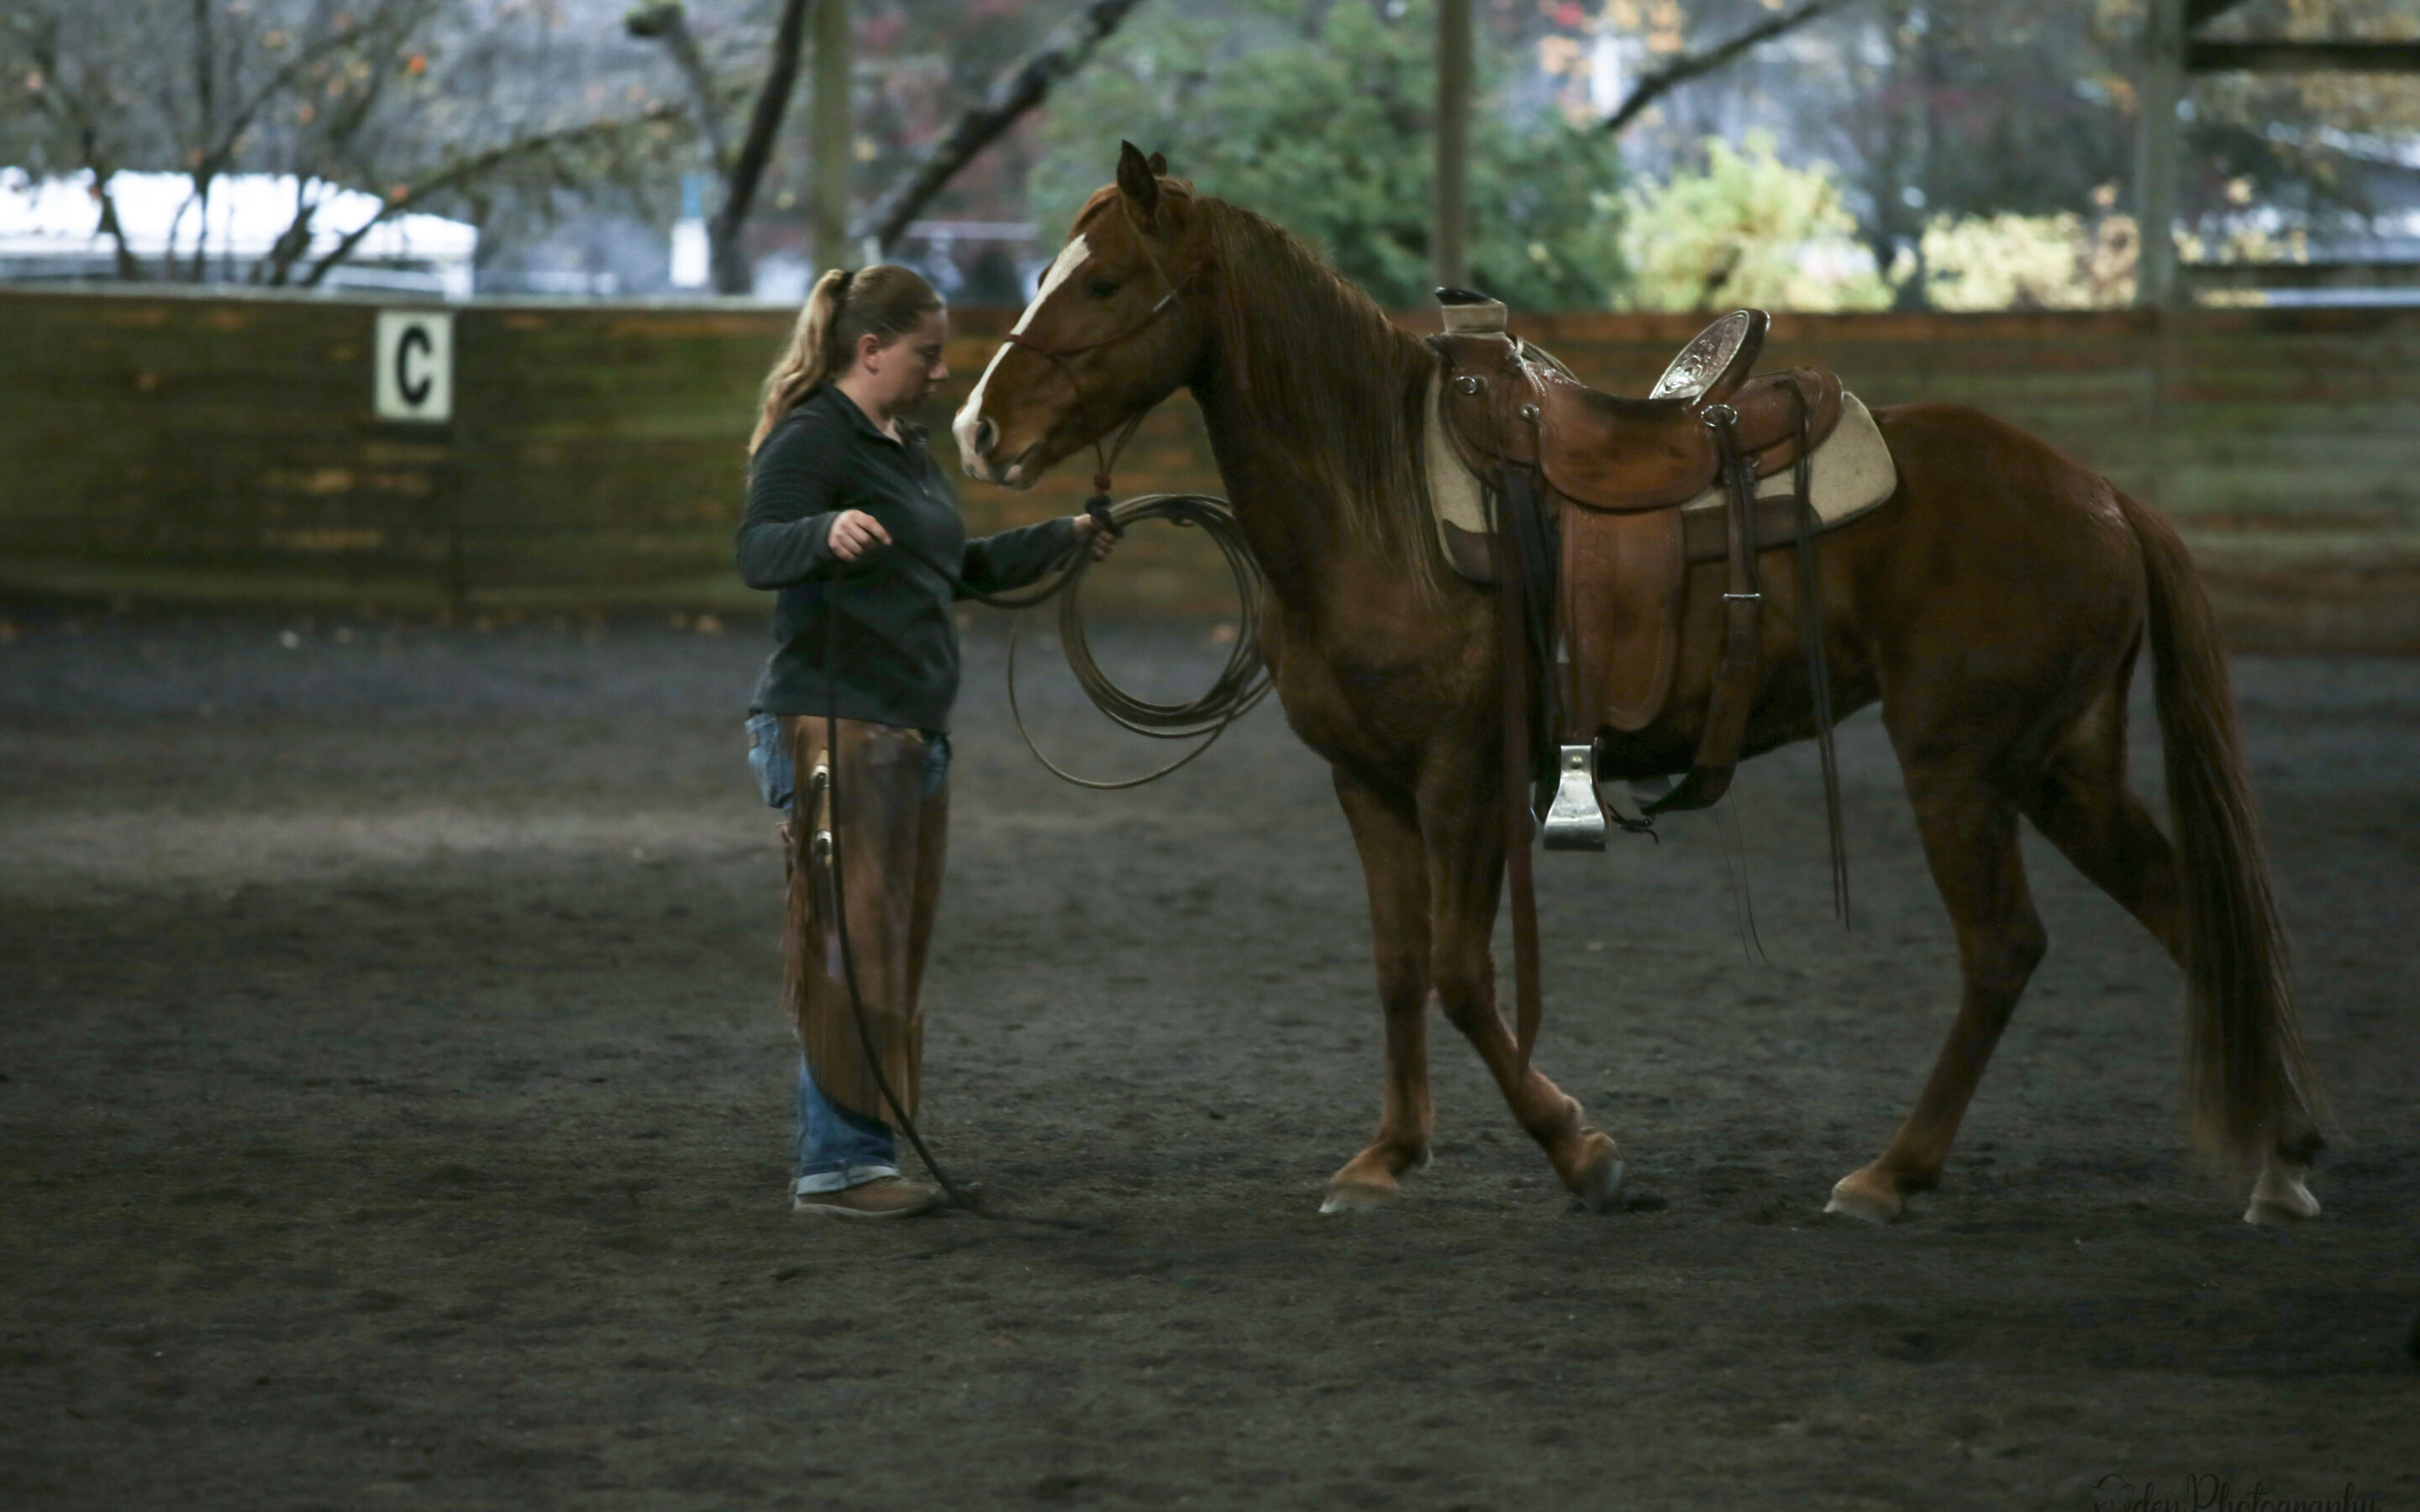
986, 432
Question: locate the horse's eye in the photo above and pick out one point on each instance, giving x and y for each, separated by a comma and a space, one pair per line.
1104, 287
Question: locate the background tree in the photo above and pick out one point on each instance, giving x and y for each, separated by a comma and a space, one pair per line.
1748, 230
1017, 92
459, 105
1320, 118
740, 165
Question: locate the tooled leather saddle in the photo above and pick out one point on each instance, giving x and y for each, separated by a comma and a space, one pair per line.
1599, 504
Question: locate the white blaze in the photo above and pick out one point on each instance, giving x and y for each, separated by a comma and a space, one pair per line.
1071, 256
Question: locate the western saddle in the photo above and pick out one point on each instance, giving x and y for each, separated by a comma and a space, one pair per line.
1586, 491
1592, 530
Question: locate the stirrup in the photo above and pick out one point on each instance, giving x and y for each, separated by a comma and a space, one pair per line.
1574, 820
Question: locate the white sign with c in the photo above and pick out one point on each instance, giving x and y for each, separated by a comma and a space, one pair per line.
415, 365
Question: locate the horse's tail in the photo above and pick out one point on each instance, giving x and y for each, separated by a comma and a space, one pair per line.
2252, 1084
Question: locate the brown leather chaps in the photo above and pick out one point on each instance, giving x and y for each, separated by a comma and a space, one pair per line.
891, 839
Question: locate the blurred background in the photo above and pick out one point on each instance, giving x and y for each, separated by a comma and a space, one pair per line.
607, 213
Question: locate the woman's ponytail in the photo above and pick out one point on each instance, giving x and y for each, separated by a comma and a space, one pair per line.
885, 299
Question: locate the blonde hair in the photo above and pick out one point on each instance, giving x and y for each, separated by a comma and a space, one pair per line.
886, 300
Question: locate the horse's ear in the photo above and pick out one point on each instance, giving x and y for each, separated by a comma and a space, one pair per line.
1136, 179
1158, 165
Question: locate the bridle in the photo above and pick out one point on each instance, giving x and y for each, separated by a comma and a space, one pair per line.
1105, 457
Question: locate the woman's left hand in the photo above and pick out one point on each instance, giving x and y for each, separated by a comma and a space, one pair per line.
1089, 528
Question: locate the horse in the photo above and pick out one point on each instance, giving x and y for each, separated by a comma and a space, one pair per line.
1994, 607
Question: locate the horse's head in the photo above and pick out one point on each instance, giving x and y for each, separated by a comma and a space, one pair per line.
1117, 325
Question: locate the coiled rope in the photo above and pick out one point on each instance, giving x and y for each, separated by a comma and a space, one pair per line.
1240, 685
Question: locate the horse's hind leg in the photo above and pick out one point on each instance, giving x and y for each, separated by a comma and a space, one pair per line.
1466, 861
1395, 868
2084, 807
1970, 838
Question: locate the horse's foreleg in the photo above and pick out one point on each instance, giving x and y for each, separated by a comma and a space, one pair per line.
1465, 867
1395, 868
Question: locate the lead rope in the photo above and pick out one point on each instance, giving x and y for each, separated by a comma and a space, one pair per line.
1241, 684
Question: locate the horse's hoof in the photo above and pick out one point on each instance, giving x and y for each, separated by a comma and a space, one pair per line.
1357, 1196
1598, 1186
1865, 1197
2279, 1198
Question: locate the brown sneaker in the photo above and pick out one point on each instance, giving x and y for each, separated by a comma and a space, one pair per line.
885, 1196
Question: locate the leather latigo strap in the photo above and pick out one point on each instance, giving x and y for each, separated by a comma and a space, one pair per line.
1735, 679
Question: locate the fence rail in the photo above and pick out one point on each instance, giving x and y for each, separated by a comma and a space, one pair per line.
208, 447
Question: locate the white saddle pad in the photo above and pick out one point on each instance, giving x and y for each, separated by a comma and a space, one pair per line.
1851, 475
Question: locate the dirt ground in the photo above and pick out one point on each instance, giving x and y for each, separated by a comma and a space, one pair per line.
393, 1107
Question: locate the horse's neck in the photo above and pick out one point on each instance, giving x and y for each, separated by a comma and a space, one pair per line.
1287, 474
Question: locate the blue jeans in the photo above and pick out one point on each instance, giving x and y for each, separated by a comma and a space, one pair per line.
778, 785
836, 1149
770, 760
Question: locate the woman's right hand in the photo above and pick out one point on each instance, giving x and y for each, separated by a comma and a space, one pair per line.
854, 533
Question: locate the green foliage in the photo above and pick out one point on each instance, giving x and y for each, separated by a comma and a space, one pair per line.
1749, 230
1325, 126
2029, 262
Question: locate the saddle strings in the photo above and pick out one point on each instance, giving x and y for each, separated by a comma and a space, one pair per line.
1733, 838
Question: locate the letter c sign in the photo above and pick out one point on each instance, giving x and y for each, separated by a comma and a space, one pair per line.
414, 378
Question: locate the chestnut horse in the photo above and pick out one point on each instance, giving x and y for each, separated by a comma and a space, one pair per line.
1994, 605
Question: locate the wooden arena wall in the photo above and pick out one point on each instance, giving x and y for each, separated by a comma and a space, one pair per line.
208, 448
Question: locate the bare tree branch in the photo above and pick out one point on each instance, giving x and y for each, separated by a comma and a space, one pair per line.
667, 21
731, 272
294, 240
222, 141
75, 109
459, 175
129, 269
1015, 92
206, 74
1696, 65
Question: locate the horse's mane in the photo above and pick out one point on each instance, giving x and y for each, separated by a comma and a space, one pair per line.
1322, 370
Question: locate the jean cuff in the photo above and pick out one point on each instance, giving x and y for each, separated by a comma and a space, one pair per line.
841, 1181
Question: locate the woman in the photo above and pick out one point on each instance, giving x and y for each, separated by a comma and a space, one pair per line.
843, 501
